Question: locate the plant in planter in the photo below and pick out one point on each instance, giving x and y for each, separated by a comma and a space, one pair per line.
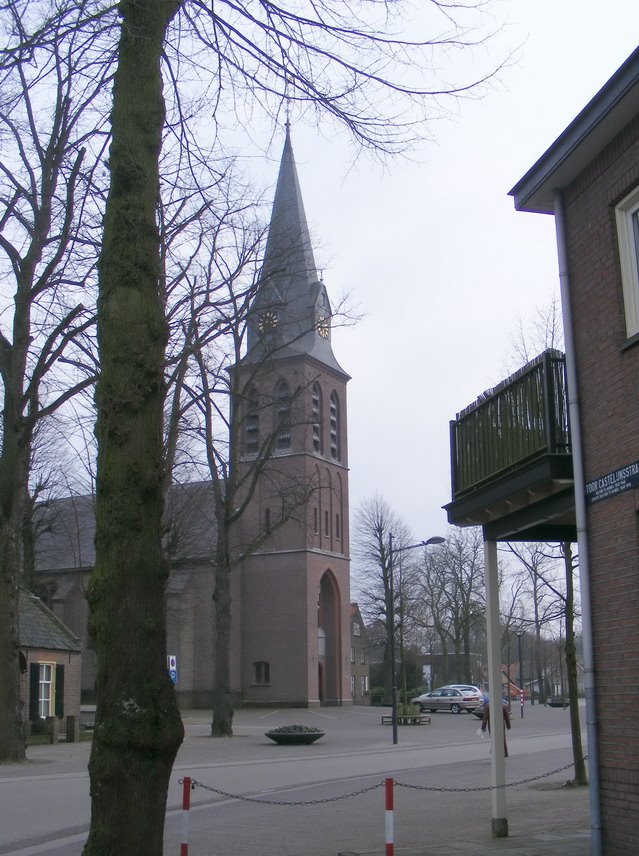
295, 734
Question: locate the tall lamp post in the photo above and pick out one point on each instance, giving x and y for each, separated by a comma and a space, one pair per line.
435, 539
519, 633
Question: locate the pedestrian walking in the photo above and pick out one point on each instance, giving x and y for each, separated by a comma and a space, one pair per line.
485, 723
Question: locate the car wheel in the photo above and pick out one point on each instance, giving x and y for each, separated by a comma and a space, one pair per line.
455, 708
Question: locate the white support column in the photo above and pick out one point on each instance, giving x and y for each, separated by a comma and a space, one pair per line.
497, 760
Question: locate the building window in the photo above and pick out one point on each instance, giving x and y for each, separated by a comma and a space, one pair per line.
627, 214
362, 656
45, 689
315, 521
283, 415
252, 423
335, 427
316, 404
267, 519
338, 531
352, 654
262, 672
326, 524
353, 686
363, 684
357, 630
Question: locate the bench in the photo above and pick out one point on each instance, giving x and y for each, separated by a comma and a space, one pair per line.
407, 714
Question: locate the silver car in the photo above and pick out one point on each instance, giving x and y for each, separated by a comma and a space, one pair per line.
448, 698
467, 689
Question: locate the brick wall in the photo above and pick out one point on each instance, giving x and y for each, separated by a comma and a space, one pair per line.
71, 661
608, 379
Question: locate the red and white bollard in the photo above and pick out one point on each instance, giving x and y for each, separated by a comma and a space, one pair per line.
186, 805
390, 843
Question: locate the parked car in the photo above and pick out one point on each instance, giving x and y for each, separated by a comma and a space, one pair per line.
468, 689
447, 698
557, 701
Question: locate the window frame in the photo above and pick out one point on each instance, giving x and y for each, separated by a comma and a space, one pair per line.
283, 440
627, 217
252, 422
50, 683
335, 426
261, 673
316, 416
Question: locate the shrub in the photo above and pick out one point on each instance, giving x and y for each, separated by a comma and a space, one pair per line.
38, 725
377, 695
294, 729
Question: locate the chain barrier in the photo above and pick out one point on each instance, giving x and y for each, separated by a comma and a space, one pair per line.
245, 798
487, 787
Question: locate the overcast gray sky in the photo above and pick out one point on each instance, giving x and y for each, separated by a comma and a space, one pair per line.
436, 255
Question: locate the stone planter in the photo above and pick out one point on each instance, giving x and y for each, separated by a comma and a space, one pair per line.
294, 738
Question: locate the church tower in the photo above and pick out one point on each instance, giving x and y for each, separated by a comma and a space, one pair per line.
293, 591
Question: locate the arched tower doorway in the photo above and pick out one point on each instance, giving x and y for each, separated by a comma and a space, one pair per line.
329, 641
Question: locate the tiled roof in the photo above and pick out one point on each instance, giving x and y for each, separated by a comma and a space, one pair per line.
40, 628
65, 528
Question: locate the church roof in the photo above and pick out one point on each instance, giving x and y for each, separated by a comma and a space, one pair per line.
290, 294
65, 528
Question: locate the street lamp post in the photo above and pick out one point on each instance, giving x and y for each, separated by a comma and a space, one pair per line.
519, 633
435, 539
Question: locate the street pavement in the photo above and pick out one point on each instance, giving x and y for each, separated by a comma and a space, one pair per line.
253, 797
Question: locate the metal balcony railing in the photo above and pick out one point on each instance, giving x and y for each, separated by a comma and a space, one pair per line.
522, 418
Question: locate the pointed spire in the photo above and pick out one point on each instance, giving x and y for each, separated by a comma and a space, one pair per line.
288, 248
291, 310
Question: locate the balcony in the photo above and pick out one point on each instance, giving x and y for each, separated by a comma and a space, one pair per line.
511, 462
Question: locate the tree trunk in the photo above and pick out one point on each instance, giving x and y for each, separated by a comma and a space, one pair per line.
14, 465
28, 544
222, 723
138, 726
581, 777
12, 743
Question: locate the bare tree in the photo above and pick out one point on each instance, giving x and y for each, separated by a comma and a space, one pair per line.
378, 598
533, 335
540, 570
49, 184
452, 594
553, 599
333, 59
138, 725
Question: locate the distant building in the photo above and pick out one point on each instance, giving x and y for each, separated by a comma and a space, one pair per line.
359, 654
49, 665
291, 626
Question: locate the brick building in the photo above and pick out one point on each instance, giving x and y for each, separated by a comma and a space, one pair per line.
360, 681
49, 666
291, 592
589, 180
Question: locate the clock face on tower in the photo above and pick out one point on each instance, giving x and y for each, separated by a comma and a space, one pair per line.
323, 327
267, 321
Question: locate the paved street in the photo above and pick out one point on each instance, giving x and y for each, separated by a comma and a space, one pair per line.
44, 805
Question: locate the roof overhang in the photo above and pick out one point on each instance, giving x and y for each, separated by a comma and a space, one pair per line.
532, 502
612, 108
